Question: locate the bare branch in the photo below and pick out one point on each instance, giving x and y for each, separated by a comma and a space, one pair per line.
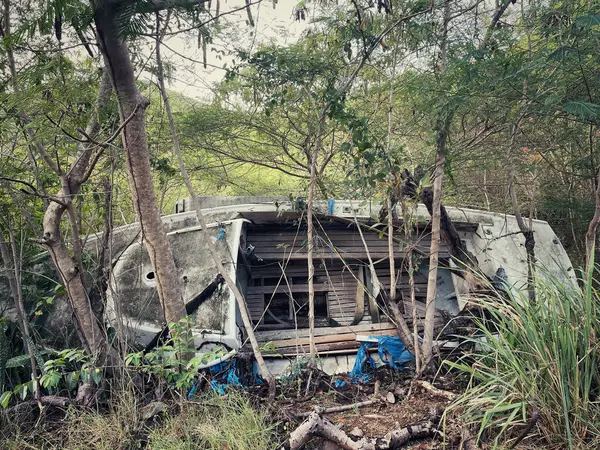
33, 191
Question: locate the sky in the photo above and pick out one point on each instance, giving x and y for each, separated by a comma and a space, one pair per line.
272, 24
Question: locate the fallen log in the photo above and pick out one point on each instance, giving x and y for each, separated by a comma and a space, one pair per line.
85, 396
45, 400
316, 425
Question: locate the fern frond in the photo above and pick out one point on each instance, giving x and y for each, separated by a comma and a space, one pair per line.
589, 112
17, 361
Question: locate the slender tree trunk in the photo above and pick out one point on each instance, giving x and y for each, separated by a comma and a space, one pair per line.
407, 219
391, 303
241, 302
13, 273
527, 233
310, 235
70, 269
433, 252
389, 200
442, 131
391, 249
311, 266
590, 236
132, 108
485, 191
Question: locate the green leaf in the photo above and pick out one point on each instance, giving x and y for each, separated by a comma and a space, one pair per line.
50, 379
5, 398
21, 390
97, 375
268, 347
72, 379
133, 359
59, 289
17, 361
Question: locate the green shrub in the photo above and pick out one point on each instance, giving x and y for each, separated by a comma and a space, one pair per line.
540, 356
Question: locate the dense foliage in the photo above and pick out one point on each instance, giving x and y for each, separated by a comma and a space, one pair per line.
365, 90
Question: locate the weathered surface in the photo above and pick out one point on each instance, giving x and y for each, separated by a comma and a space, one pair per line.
133, 283
489, 237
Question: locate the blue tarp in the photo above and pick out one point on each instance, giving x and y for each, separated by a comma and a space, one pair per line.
391, 352
224, 375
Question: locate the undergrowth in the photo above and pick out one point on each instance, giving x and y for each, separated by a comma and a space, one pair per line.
218, 422
541, 356
209, 422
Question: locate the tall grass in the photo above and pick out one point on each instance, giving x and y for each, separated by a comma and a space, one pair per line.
540, 356
216, 423
212, 422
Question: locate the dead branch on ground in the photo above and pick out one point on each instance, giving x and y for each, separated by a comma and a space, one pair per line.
316, 425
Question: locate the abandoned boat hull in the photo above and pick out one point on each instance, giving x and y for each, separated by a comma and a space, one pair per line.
263, 246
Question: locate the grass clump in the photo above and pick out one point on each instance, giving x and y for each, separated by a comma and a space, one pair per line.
211, 422
214, 423
120, 427
537, 356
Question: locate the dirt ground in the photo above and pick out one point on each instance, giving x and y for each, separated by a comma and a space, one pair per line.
399, 405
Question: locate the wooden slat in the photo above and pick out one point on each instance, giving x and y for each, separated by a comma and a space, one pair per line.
265, 336
284, 289
322, 349
342, 337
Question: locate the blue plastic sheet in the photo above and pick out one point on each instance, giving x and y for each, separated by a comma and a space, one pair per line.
358, 373
224, 375
391, 352
339, 383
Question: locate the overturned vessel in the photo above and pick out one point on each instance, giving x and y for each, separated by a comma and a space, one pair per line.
262, 242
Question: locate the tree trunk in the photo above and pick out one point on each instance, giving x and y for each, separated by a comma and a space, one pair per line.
433, 253
311, 266
390, 204
442, 131
132, 113
391, 249
70, 269
390, 303
310, 235
407, 221
241, 302
590, 236
527, 233
13, 273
